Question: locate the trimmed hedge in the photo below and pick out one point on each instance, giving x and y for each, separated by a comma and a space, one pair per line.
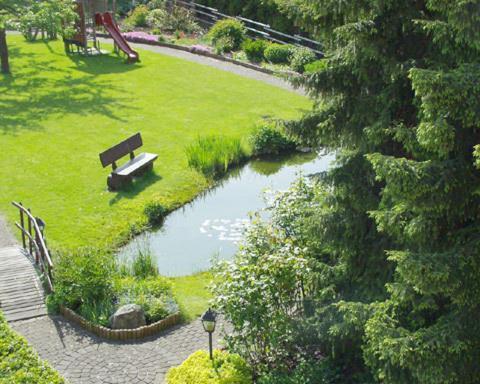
279, 53
199, 369
255, 49
19, 363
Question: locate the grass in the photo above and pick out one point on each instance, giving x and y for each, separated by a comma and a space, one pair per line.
19, 363
58, 113
192, 294
215, 155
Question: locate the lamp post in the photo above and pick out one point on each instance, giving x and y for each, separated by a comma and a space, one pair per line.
209, 320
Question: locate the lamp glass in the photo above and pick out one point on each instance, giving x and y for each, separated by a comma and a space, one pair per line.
209, 326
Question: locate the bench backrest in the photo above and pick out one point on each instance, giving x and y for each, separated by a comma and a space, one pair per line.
122, 149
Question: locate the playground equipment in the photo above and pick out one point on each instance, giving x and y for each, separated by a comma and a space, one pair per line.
94, 14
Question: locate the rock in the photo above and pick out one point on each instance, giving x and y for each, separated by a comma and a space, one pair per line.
304, 149
129, 316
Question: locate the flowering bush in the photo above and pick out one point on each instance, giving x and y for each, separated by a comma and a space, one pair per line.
140, 37
197, 48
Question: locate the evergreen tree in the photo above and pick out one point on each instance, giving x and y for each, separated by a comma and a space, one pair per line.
398, 97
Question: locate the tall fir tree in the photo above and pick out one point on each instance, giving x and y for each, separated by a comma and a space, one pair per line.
398, 98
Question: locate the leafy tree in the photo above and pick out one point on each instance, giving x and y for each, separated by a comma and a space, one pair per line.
49, 17
391, 239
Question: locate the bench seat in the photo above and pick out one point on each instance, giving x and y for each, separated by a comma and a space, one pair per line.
137, 163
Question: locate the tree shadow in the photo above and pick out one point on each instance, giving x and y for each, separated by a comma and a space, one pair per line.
138, 185
102, 64
38, 89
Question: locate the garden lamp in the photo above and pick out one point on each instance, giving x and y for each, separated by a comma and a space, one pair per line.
209, 320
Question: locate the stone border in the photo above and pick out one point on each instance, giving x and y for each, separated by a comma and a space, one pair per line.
196, 52
121, 334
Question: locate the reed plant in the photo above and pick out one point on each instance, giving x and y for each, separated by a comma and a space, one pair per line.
215, 155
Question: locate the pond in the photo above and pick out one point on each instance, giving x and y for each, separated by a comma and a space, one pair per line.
213, 223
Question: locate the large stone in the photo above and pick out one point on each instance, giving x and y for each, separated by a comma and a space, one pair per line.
129, 316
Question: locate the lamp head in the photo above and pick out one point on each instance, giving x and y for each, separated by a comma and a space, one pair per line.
209, 319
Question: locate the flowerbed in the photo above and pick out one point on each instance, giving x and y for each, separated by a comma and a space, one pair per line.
95, 285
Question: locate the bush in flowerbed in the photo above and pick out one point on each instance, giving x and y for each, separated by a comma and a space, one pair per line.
269, 139
176, 19
301, 57
227, 35
255, 49
19, 363
279, 53
225, 368
93, 284
137, 17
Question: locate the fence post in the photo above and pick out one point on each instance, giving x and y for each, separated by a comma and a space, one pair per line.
22, 223
30, 232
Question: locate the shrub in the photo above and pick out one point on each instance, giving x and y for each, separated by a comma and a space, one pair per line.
177, 19
83, 277
270, 140
279, 53
229, 33
19, 363
306, 372
315, 66
214, 155
153, 294
255, 49
138, 16
155, 213
301, 57
199, 369
224, 45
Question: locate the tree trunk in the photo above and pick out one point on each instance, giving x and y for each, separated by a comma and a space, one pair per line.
5, 66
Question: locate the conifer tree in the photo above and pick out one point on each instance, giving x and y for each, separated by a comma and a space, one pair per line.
398, 98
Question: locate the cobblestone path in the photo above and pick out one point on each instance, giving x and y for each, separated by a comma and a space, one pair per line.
83, 358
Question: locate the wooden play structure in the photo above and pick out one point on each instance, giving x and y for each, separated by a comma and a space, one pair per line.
92, 15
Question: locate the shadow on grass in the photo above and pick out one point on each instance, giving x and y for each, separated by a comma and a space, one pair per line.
38, 89
138, 185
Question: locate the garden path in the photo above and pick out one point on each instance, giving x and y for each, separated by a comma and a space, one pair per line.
222, 65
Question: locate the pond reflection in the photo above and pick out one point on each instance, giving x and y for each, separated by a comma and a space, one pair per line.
214, 222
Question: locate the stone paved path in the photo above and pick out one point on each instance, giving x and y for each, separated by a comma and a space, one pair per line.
83, 358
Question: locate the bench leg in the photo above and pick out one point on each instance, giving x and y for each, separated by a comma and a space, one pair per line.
114, 183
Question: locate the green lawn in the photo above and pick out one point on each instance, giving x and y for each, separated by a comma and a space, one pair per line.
192, 293
57, 113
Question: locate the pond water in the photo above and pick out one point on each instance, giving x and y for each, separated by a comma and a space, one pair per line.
213, 223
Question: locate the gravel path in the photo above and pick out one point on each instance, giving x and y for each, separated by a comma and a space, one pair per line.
222, 65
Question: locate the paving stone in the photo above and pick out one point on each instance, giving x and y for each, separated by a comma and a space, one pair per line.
83, 358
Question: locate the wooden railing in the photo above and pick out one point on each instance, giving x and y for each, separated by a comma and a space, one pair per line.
34, 243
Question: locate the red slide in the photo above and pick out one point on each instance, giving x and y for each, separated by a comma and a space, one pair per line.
106, 20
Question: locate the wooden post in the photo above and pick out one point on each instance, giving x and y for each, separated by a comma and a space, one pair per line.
22, 223
5, 66
30, 232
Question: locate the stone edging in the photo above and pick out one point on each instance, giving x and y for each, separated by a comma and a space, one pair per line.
197, 52
121, 334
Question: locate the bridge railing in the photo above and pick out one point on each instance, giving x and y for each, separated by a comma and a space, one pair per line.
33, 242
